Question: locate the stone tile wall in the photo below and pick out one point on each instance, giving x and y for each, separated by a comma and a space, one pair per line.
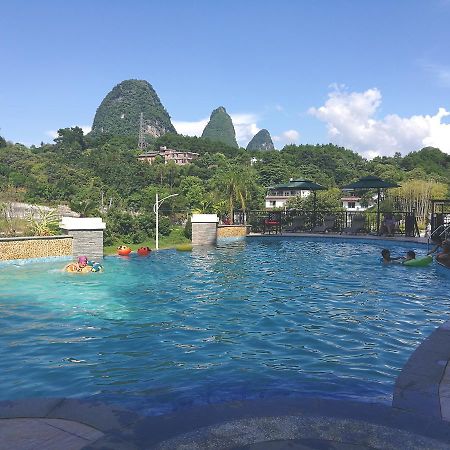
232, 231
88, 243
35, 247
204, 233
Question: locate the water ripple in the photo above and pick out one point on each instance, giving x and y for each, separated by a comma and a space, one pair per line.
245, 320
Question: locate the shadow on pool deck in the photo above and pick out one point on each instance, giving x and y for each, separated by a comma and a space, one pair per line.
262, 424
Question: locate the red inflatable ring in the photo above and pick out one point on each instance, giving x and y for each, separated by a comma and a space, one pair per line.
143, 251
123, 250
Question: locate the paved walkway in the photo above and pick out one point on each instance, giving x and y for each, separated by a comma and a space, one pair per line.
418, 240
49, 434
68, 424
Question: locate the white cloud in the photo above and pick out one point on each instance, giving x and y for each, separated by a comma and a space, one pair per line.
51, 133
244, 125
190, 128
54, 134
286, 137
351, 122
86, 129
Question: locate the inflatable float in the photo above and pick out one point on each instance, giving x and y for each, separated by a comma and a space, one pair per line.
419, 262
184, 247
143, 251
123, 250
91, 266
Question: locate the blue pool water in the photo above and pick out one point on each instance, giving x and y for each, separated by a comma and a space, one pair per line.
248, 319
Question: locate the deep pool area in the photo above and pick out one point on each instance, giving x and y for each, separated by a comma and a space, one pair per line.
251, 318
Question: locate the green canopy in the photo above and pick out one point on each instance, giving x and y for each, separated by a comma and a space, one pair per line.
371, 182
304, 185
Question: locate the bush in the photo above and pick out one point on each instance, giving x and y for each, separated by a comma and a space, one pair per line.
188, 228
133, 228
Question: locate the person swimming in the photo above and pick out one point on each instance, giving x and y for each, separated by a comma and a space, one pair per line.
444, 256
83, 265
410, 254
387, 258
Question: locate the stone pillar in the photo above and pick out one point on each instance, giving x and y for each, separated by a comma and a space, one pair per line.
204, 229
87, 235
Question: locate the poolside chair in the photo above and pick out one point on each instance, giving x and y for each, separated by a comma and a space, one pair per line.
328, 225
298, 224
358, 224
272, 222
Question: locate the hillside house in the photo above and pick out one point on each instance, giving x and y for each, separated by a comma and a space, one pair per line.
278, 195
179, 157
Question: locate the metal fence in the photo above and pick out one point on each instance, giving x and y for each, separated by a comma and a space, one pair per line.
406, 223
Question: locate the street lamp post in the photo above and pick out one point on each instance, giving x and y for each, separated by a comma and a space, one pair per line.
156, 206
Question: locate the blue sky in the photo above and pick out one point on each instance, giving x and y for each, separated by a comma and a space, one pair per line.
373, 76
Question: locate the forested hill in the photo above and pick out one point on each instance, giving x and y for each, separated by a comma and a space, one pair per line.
119, 112
220, 128
261, 141
83, 170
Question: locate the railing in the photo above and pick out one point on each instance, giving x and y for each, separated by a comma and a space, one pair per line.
441, 232
406, 223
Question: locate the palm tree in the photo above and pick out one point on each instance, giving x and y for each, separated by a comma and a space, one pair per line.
234, 184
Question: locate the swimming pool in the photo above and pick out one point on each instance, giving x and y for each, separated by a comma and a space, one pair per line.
249, 319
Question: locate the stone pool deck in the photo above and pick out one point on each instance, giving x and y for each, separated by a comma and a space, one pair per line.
68, 424
397, 238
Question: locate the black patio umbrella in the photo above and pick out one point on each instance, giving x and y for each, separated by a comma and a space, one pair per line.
371, 182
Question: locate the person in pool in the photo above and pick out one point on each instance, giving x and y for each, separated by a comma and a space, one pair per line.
438, 243
409, 256
444, 256
80, 266
387, 258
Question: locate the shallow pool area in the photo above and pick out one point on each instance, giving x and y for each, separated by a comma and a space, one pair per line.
249, 319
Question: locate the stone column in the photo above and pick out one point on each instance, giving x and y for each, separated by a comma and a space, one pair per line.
204, 229
87, 233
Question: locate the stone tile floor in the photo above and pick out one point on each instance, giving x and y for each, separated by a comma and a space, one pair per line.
301, 424
49, 434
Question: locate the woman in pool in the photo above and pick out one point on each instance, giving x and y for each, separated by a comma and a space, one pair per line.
80, 266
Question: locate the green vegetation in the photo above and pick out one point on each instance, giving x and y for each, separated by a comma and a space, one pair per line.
220, 128
119, 112
261, 141
100, 175
173, 240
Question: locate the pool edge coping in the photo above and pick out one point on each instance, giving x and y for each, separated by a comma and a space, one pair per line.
423, 385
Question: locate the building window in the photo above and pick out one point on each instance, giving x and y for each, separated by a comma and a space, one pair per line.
273, 203
351, 205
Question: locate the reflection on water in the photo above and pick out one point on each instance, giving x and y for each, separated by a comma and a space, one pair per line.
249, 318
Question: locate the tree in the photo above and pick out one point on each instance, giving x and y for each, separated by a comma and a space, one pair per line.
416, 195
70, 142
234, 184
194, 190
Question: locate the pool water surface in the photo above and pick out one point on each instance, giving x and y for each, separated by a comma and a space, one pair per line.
248, 319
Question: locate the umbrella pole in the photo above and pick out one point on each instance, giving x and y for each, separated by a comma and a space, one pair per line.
378, 211
314, 209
